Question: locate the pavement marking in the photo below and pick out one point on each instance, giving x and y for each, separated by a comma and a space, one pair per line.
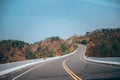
72, 74
25, 72
2, 76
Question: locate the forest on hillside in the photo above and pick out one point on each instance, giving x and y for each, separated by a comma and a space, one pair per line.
100, 43
15, 50
106, 43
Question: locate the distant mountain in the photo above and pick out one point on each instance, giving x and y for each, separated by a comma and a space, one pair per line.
15, 50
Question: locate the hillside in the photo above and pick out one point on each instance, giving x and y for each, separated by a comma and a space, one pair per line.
104, 43
100, 43
15, 50
53, 46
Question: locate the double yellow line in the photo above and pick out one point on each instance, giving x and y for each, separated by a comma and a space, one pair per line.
73, 75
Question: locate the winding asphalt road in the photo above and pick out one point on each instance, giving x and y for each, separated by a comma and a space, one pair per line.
73, 67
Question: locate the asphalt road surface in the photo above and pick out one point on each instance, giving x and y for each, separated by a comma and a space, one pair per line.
72, 67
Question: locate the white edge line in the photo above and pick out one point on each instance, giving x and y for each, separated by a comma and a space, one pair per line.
25, 72
39, 65
99, 61
28, 64
16, 68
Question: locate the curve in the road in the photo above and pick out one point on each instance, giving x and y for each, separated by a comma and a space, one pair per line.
67, 68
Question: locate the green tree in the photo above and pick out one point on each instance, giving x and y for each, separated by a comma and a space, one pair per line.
84, 42
3, 58
12, 54
55, 38
30, 55
50, 54
63, 47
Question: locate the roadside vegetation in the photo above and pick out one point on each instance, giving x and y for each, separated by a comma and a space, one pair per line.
15, 50
53, 46
105, 43
84, 42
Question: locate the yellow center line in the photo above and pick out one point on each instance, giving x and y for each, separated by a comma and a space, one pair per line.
72, 74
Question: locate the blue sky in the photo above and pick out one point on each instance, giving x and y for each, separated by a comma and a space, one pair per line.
35, 20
